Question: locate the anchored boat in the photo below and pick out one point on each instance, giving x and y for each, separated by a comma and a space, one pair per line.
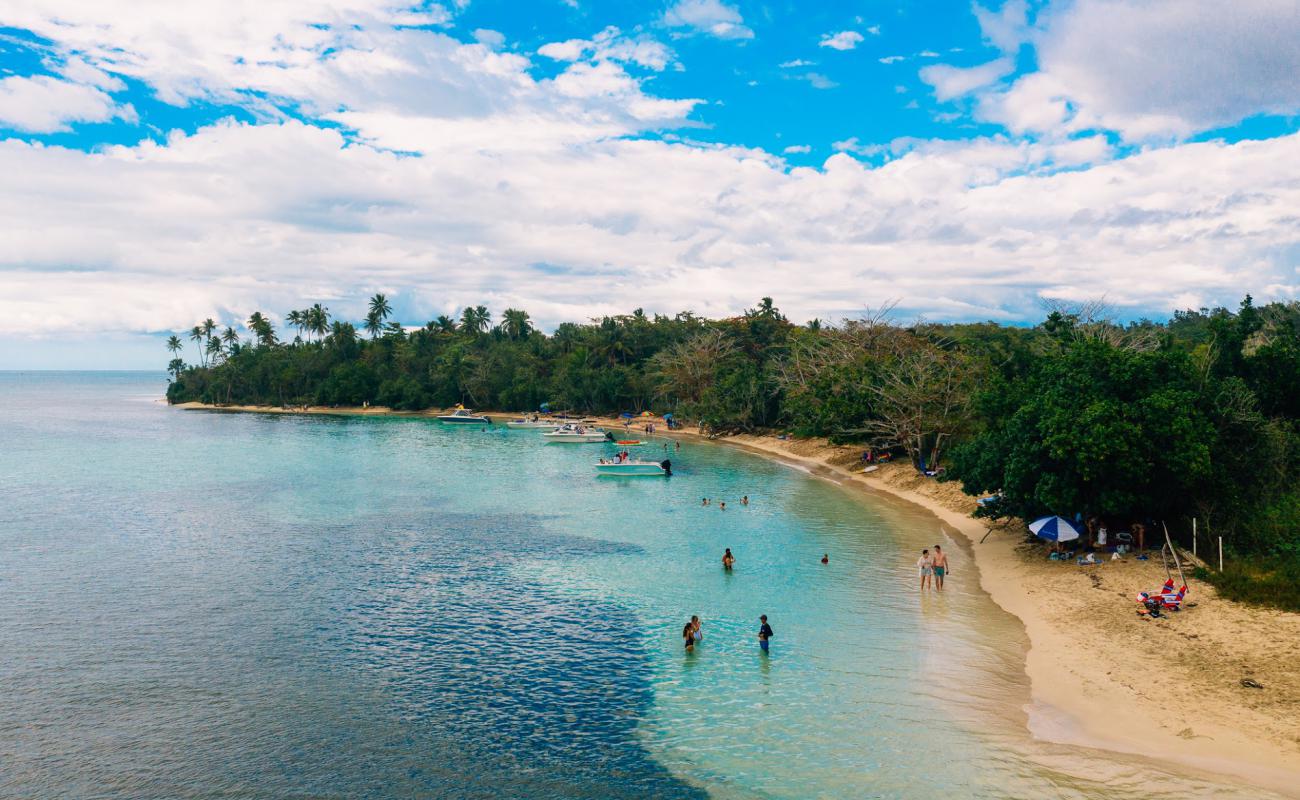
577, 434
464, 416
534, 422
634, 467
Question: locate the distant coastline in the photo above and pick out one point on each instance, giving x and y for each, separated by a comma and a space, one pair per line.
1087, 678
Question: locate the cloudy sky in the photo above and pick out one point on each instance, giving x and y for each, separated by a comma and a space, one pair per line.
162, 161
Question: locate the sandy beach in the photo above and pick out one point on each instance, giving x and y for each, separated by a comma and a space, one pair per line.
1169, 689
1101, 676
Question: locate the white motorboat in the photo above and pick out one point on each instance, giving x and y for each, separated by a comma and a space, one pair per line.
538, 423
577, 434
634, 467
464, 416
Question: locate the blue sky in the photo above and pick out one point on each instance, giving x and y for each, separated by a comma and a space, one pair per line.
970, 161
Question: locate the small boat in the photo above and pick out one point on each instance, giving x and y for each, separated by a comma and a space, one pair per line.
577, 434
634, 467
534, 422
464, 416
630, 442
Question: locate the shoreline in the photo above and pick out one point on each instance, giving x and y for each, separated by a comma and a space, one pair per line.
1099, 676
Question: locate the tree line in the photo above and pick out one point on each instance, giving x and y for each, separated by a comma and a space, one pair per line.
1194, 416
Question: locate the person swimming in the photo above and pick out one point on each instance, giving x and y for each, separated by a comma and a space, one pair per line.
723, 505
826, 558
744, 501
705, 501
688, 636
728, 559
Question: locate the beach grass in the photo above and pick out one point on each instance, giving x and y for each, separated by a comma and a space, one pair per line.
1272, 584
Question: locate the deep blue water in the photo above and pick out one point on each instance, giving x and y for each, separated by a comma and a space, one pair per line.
216, 605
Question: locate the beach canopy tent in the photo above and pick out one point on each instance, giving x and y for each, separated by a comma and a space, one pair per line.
1054, 529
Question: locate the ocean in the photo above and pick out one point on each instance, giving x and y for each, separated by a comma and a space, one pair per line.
217, 605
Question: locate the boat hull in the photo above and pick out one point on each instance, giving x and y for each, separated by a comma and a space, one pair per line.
539, 425
633, 470
575, 438
465, 420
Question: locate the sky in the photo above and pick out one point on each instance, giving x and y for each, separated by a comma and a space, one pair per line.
165, 161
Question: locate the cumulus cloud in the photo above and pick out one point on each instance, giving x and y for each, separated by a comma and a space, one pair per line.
797, 148
949, 81
1162, 69
611, 45
240, 217
844, 40
713, 17
445, 171
45, 104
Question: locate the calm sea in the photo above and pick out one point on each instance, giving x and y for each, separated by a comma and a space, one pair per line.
216, 605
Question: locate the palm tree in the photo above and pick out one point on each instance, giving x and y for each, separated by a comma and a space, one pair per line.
214, 348
296, 320
515, 323
197, 336
372, 325
317, 319
475, 319
174, 344
444, 324
230, 337
176, 367
261, 328
208, 327
380, 308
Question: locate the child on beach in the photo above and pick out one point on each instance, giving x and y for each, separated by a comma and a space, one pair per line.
925, 564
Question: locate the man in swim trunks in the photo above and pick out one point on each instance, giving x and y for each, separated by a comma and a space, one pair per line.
940, 566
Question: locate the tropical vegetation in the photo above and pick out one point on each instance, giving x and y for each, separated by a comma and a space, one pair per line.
1192, 417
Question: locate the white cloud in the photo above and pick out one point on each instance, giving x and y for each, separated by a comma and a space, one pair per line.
489, 38
1161, 69
713, 17
568, 50
237, 217
949, 81
844, 40
797, 148
611, 45
457, 170
891, 59
874, 30
798, 62
818, 80
45, 104
1006, 28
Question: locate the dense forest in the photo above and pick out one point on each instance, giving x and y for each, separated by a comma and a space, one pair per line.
1193, 417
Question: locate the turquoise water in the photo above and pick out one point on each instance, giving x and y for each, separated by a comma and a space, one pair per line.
198, 605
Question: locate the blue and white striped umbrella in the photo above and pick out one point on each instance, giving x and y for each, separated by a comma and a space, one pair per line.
1054, 529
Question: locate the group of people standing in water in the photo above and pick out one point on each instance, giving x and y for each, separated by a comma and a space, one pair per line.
693, 634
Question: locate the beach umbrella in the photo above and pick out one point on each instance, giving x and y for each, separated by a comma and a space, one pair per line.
627, 414
1054, 529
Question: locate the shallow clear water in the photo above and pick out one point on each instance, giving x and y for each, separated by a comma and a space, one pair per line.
199, 605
